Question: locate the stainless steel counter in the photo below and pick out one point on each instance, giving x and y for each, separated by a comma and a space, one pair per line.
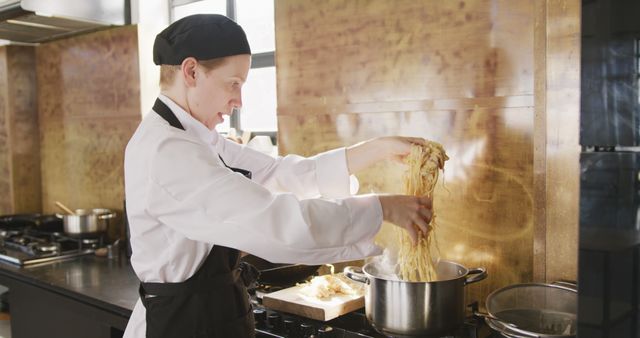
98, 292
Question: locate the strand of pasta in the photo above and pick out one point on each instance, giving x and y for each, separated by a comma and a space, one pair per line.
416, 263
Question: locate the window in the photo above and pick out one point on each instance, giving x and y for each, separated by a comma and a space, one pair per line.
183, 8
258, 113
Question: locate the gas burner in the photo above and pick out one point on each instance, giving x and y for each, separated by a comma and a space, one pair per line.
90, 241
46, 248
25, 245
31, 245
6, 233
19, 240
276, 324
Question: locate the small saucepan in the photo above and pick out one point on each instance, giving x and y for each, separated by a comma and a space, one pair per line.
87, 222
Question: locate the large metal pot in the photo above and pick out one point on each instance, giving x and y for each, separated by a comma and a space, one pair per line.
87, 221
404, 308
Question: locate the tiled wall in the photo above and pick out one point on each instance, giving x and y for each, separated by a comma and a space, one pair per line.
89, 106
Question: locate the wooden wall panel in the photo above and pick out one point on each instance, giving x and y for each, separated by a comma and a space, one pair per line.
562, 140
337, 52
25, 145
457, 72
89, 106
19, 150
6, 203
557, 150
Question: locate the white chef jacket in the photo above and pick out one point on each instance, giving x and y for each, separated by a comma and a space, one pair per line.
182, 200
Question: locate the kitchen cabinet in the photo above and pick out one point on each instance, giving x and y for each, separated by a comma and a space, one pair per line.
83, 297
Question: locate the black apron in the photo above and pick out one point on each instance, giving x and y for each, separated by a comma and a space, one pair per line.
210, 304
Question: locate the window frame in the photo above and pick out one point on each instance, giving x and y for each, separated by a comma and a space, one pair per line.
637, 57
258, 60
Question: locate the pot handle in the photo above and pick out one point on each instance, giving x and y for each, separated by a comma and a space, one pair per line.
505, 328
107, 216
480, 274
60, 216
571, 286
355, 273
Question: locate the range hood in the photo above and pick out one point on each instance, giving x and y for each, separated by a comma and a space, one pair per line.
35, 21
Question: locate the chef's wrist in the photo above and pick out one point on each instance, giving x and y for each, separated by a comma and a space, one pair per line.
384, 205
364, 154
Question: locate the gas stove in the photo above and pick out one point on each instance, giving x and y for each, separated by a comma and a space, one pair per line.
277, 324
26, 240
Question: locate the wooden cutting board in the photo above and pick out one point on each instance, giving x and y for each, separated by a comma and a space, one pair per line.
290, 300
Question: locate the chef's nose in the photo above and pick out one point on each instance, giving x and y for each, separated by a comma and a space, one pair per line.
236, 102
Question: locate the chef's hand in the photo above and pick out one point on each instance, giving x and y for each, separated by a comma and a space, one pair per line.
411, 213
364, 154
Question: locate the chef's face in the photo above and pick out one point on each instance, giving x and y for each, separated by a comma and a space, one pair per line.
217, 91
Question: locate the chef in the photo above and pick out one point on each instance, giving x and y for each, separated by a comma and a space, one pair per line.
195, 199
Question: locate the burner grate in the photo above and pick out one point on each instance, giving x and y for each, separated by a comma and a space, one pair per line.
271, 323
30, 245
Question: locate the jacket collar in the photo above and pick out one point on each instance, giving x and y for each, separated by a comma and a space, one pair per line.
190, 124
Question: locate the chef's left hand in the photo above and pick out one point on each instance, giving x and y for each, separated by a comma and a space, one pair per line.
364, 154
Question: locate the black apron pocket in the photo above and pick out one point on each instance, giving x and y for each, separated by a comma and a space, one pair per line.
160, 316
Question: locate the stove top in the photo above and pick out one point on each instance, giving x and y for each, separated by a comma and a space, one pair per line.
23, 242
276, 324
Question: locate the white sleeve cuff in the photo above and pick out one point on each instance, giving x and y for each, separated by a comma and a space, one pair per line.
366, 217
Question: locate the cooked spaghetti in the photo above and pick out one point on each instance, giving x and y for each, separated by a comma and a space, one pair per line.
416, 263
326, 286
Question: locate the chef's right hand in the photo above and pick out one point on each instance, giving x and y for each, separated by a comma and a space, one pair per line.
411, 213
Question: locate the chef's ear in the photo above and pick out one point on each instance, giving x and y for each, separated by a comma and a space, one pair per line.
188, 71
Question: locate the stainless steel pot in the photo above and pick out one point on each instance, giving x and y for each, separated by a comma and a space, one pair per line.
404, 308
87, 221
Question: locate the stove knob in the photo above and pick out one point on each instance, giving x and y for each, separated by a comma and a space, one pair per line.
307, 330
260, 317
325, 332
290, 327
275, 321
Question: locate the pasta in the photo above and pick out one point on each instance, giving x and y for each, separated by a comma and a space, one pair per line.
417, 263
326, 286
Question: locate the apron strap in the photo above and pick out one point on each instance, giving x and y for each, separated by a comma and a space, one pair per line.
190, 286
165, 112
244, 172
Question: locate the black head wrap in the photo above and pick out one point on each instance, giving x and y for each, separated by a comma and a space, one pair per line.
202, 36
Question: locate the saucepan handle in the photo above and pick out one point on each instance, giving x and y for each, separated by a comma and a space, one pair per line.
355, 273
479, 274
107, 216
